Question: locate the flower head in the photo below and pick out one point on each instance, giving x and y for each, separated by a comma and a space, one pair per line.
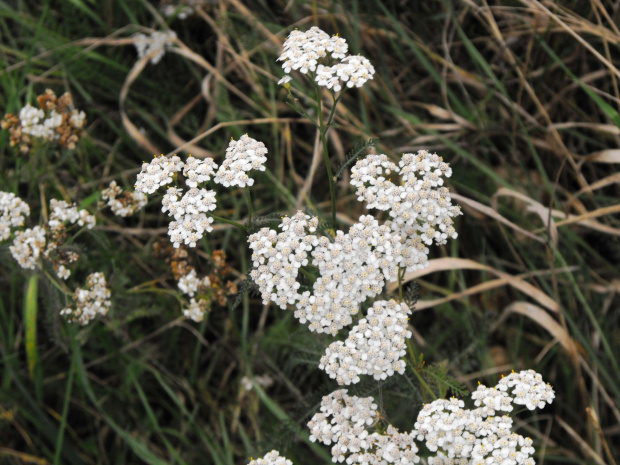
28, 246
374, 346
243, 155
63, 212
123, 203
56, 120
154, 46
272, 458
157, 173
314, 51
13, 211
89, 302
344, 423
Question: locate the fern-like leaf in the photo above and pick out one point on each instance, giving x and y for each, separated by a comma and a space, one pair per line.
246, 286
354, 154
261, 221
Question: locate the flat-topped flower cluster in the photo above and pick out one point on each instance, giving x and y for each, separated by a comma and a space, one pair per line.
90, 302
30, 245
314, 51
190, 284
457, 435
123, 203
356, 265
374, 346
190, 208
272, 458
421, 207
480, 436
344, 422
55, 120
13, 212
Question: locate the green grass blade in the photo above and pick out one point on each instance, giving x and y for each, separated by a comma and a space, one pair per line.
30, 323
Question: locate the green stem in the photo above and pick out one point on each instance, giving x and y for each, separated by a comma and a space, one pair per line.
231, 222
65, 411
249, 199
401, 273
323, 131
412, 364
333, 112
62, 287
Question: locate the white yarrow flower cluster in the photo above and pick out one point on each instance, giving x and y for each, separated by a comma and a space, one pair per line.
242, 156
189, 209
28, 246
123, 203
374, 346
302, 52
528, 388
63, 272
344, 421
89, 302
34, 122
154, 46
352, 268
272, 458
157, 173
478, 436
197, 171
64, 212
196, 310
277, 258
190, 284
421, 209
13, 212
189, 212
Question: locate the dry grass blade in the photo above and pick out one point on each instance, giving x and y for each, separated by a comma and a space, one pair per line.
536, 5
607, 181
131, 128
21, 456
449, 264
176, 139
483, 287
242, 122
604, 156
578, 440
542, 318
533, 206
597, 426
492, 213
586, 220
603, 128
304, 192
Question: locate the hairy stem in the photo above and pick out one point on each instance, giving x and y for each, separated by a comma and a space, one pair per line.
323, 131
248, 196
219, 219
